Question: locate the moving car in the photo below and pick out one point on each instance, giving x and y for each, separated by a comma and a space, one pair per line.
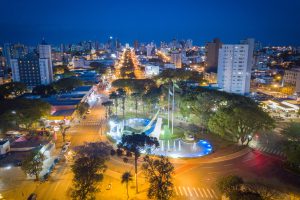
32, 196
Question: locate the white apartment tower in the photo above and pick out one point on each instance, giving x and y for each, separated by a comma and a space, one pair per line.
45, 63
234, 67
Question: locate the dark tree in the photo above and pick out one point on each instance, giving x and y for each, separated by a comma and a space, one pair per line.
122, 94
83, 108
67, 84
12, 90
240, 122
44, 90
135, 143
159, 174
229, 184
88, 169
33, 164
126, 178
107, 106
292, 131
114, 96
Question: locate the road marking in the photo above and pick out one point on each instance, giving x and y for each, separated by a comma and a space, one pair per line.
200, 192
204, 193
196, 192
56, 186
262, 148
176, 191
213, 192
180, 191
185, 192
207, 167
190, 191
274, 151
209, 193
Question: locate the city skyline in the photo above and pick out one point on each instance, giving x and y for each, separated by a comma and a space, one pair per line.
62, 22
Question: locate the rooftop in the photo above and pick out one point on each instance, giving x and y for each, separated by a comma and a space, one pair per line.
64, 112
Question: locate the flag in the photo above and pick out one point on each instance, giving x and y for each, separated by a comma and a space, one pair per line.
170, 93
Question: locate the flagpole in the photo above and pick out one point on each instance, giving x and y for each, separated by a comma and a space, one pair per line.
169, 106
173, 107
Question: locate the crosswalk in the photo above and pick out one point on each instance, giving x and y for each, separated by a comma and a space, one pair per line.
273, 151
187, 192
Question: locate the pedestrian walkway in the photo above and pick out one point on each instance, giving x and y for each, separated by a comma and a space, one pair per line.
273, 151
188, 192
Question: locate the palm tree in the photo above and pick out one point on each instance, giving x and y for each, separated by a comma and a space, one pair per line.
107, 106
122, 94
115, 97
136, 97
126, 178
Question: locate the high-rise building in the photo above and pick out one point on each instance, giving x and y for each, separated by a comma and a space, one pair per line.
212, 53
136, 45
234, 67
33, 69
149, 48
45, 60
176, 59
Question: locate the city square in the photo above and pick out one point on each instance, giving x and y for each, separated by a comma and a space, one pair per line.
119, 105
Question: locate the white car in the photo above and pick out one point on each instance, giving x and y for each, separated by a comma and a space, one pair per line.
64, 149
68, 144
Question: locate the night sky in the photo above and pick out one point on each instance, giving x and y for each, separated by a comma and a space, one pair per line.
274, 22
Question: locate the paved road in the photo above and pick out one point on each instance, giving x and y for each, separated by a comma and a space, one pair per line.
192, 180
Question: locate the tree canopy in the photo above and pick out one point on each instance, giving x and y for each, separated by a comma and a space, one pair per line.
229, 184
22, 112
67, 84
12, 90
33, 164
135, 143
44, 90
292, 131
159, 173
240, 122
88, 169
176, 75
134, 85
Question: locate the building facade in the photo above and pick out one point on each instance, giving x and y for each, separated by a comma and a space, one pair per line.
212, 54
292, 78
33, 69
176, 59
234, 68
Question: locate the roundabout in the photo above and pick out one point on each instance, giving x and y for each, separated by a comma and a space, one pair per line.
168, 146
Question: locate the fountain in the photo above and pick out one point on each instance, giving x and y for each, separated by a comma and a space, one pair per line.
176, 148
